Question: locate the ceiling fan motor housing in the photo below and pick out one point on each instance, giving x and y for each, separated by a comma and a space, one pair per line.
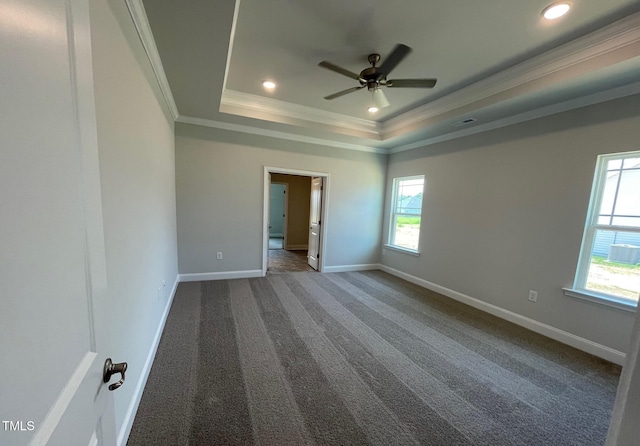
371, 77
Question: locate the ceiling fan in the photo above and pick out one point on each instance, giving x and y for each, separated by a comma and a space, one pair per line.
375, 77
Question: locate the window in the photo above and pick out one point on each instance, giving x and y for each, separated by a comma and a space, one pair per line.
406, 213
609, 264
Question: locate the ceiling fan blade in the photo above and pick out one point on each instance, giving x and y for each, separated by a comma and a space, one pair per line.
380, 99
399, 52
343, 92
412, 83
340, 70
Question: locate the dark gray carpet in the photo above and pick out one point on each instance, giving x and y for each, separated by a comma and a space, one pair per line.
361, 358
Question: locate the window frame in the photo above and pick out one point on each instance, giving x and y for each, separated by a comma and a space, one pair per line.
393, 215
579, 289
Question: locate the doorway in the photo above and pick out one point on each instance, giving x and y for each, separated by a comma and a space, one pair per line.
302, 245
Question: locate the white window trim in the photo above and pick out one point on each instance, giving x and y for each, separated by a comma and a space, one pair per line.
394, 202
600, 299
402, 249
588, 239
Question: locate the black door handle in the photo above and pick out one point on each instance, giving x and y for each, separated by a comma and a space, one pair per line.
110, 369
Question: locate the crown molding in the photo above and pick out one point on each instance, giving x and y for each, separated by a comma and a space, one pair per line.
232, 36
583, 101
261, 107
141, 22
601, 48
277, 134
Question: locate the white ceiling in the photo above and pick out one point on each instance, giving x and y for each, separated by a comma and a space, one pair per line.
497, 61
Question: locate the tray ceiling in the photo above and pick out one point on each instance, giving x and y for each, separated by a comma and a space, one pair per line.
496, 62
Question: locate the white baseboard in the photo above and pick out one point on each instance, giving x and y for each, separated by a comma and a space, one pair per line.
196, 277
347, 268
123, 435
297, 247
578, 342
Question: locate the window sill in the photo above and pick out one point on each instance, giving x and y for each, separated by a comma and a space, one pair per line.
601, 299
404, 250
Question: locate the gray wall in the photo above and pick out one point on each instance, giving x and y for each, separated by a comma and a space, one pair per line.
504, 213
219, 186
136, 150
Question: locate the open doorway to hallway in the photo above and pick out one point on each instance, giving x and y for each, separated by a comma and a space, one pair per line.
294, 209
289, 200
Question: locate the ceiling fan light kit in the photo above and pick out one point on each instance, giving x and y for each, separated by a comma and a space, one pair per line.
375, 77
378, 101
379, 98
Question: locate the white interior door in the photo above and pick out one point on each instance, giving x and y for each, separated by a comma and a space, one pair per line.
52, 262
315, 215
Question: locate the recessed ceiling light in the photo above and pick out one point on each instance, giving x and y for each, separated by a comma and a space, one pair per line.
372, 109
269, 85
555, 10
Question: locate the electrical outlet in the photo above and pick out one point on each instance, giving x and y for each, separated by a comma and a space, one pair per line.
219, 255
533, 296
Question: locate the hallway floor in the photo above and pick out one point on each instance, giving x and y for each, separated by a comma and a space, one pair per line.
283, 261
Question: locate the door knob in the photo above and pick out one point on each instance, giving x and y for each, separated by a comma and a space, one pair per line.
110, 369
